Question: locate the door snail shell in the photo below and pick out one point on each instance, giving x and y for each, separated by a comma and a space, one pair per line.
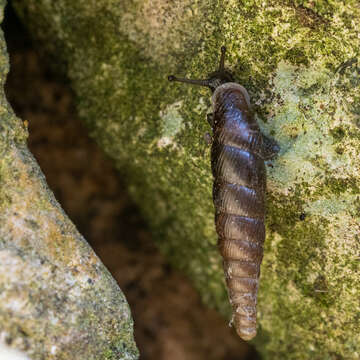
238, 152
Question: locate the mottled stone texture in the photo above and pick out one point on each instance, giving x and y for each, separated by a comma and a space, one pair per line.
57, 300
117, 55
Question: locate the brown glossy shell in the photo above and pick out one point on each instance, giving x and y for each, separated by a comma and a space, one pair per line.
239, 197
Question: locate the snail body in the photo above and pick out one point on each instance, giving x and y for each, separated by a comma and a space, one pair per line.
238, 152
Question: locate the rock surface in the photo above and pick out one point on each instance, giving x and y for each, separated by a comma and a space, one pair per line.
56, 298
298, 61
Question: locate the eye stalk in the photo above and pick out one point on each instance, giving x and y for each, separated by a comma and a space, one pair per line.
217, 78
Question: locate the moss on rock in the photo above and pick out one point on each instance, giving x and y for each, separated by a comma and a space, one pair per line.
293, 57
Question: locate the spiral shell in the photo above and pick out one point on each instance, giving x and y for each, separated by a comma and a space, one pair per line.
237, 161
239, 198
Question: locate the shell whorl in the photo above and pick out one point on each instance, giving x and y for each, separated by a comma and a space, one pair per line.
239, 197
229, 86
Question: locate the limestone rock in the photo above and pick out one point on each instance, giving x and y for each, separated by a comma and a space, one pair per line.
57, 300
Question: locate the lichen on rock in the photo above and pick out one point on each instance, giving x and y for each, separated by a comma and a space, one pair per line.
293, 57
57, 300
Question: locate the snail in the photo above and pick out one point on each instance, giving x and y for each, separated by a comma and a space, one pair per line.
238, 152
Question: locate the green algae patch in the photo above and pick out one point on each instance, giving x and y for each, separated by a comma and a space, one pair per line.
298, 60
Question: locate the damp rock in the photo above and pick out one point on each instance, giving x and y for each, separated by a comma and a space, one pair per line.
57, 300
